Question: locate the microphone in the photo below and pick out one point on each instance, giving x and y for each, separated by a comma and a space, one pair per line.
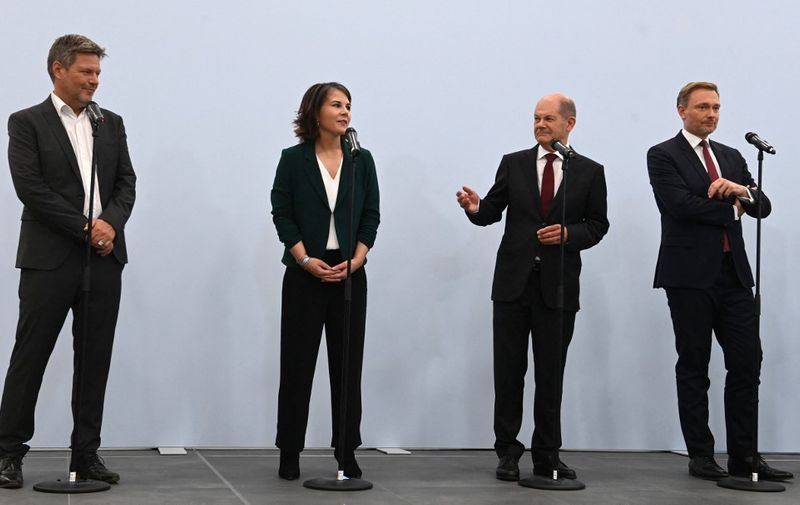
352, 138
760, 143
566, 151
95, 115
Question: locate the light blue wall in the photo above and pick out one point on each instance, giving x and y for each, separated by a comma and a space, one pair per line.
440, 91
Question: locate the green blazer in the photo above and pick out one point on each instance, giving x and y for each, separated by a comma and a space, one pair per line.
300, 208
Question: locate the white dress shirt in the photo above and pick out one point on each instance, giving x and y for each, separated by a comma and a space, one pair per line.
79, 131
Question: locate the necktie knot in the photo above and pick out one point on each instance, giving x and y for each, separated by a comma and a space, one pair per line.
550, 157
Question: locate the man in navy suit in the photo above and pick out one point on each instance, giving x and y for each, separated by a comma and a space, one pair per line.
525, 288
50, 153
702, 189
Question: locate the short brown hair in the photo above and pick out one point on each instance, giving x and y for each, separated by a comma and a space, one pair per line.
683, 94
66, 47
306, 126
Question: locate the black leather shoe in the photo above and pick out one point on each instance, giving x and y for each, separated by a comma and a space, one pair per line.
507, 468
91, 466
11, 472
705, 467
743, 467
351, 469
349, 464
290, 465
564, 472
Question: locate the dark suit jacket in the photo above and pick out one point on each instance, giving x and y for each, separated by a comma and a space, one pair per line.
300, 208
692, 225
516, 187
47, 180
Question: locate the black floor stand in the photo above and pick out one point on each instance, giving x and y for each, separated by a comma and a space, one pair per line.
557, 483
753, 483
73, 485
341, 482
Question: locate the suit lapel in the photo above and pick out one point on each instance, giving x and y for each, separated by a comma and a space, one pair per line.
723, 169
53, 122
691, 156
311, 168
559, 196
531, 175
344, 177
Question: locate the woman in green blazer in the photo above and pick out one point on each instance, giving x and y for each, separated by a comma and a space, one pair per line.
310, 203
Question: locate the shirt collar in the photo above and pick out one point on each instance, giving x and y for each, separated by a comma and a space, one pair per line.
61, 106
693, 139
542, 152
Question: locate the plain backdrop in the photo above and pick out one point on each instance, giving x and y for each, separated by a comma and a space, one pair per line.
441, 89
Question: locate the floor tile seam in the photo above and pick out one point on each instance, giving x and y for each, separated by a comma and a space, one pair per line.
385, 489
222, 479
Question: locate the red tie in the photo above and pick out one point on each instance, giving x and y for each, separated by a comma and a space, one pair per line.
548, 185
714, 175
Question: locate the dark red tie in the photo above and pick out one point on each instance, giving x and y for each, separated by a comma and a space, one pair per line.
548, 185
714, 175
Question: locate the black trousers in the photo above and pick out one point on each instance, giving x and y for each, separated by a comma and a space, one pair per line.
308, 306
513, 324
45, 298
728, 309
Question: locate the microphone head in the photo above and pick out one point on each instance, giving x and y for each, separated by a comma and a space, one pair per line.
95, 114
760, 143
352, 139
554, 144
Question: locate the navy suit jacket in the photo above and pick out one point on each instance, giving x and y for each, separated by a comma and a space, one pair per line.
516, 188
692, 225
47, 180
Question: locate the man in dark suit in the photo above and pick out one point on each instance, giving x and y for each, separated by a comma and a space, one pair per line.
702, 188
50, 155
525, 287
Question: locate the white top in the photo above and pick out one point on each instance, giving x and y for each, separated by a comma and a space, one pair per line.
332, 190
541, 161
79, 131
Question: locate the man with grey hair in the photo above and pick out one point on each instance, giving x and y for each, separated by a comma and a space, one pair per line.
525, 291
51, 149
702, 189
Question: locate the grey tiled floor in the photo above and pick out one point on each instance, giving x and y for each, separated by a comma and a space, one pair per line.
464, 477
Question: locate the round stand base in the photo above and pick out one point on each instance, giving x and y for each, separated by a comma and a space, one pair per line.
334, 484
541, 482
66, 487
741, 484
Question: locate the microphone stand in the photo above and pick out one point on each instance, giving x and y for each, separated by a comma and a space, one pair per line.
555, 483
754, 484
75, 485
342, 483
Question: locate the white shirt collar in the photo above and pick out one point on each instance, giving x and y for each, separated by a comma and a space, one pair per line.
693, 139
542, 152
62, 107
